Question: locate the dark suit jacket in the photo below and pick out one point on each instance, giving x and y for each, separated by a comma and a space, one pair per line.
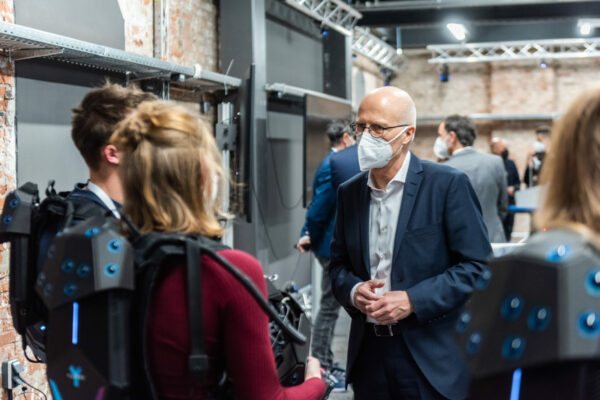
441, 249
512, 177
344, 165
321, 210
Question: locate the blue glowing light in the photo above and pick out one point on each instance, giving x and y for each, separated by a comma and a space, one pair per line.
513, 347
55, 392
75, 375
111, 269
515, 389
539, 318
511, 306
75, 328
559, 253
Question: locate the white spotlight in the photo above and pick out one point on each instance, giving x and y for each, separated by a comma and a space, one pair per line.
585, 28
458, 30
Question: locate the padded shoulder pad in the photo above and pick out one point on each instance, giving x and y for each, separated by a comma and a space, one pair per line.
559, 246
155, 247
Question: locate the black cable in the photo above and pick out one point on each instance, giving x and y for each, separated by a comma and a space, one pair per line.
295, 335
245, 281
24, 382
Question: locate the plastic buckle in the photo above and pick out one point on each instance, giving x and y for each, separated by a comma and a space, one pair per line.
198, 365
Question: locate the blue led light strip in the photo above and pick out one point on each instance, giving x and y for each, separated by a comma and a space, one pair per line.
515, 389
75, 331
55, 392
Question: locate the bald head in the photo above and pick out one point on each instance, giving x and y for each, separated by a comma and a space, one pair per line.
390, 103
497, 146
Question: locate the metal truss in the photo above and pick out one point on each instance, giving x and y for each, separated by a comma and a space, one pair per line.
374, 48
521, 50
343, 18
333, 13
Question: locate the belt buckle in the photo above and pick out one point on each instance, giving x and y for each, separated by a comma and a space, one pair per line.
389, 332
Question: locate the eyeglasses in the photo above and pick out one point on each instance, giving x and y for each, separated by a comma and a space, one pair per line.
376, 130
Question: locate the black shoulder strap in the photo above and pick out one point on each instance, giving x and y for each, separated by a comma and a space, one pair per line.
151, 252
198, 361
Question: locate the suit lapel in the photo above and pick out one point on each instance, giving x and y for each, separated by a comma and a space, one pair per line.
364, 203
411, 188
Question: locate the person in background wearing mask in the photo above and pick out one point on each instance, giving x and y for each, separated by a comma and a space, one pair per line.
344, 164
408, 246
486, 172
513, 182
535, 159
316, 236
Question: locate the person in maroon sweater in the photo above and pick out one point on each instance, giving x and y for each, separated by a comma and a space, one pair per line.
171, 174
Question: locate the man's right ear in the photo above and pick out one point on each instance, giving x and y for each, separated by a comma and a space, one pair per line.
111, 154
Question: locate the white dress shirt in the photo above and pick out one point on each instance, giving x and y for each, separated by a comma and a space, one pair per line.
384, 209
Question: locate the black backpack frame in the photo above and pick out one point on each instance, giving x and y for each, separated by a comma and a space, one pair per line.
117, 292
26, 223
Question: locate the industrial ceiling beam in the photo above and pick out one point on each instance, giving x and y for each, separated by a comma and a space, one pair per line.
441, 4
334, 14
343, 18
520, 50
435, 13
374, 48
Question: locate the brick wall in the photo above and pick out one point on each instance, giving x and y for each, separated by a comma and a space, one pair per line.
192, 39
193, 33
138, 19
517, 87
10, 343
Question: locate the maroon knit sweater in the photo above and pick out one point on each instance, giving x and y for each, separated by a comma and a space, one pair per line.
236, 336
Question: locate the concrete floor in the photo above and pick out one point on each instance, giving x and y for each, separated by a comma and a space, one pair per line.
340, 347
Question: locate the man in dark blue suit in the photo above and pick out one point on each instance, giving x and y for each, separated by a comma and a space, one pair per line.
344, 165
409, 243
316, 236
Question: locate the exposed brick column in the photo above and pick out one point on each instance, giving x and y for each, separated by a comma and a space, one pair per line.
10, 342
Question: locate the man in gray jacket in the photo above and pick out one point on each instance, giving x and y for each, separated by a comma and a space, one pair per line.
486, 171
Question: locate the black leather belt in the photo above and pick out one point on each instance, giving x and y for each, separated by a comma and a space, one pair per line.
384, 330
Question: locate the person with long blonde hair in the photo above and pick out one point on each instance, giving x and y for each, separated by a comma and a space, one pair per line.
173, 180
571, 173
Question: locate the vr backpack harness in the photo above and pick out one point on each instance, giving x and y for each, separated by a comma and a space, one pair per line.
29, 226
96, 288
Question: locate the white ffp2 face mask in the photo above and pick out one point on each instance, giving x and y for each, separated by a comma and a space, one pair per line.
376, 152
440, 148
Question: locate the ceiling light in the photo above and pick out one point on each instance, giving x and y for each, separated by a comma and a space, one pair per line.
585, 28
586, 25
458, 31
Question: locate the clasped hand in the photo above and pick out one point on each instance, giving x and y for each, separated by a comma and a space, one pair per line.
386, 308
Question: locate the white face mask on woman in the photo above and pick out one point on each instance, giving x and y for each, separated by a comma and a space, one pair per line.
440, 148
376, 152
